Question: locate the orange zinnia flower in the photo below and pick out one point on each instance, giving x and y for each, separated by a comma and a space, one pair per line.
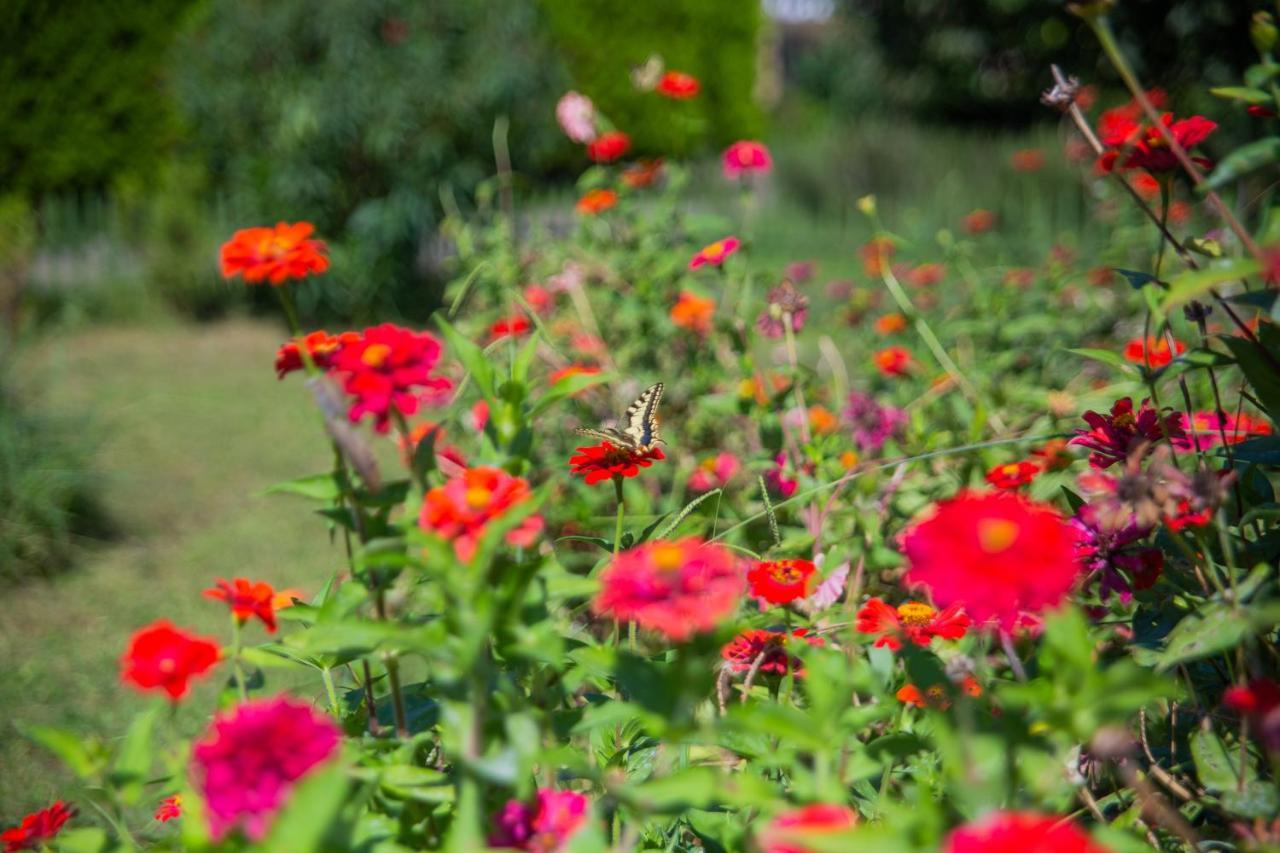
979, 222
596, 201
893, 361
875, 254
890, 324
1154, 352
693, 312
247, 599
274, 254
678, 85
914, 620
1013, 475
642, 173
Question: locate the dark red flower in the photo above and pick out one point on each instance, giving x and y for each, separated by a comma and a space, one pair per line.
678, 85
247, 599
608, 147
36, 829
162, 657
1013, 475
783, 581
1113, 437
741, 652
914, 620
605, 461
274, 254
389, 366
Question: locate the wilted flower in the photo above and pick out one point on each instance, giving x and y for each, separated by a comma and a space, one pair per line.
389, 366
997, 553
746, 157
1053, 455
606, 460
274, 255
608, 146
678, 85
783, 581
914, 621
740, 654
596, 201
461, 509
789, 830
1013, 475
162, 657
250, 758
1113, 437
693, 312
678, 588
321, 346
714, 472
544, 826
1153, 353
37, 829
873, 424
1020, 832
715, 253
1020, 277
784, 304
800, 271
893, 361
577, 117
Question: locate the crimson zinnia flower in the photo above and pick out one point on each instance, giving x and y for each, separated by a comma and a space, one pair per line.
250, 758
789, 830
274, 254
37, 828
386, 367
1153, 352
544, 826
715, 253
606, 460
247, 599
461, 509
1113, 437
998, 553
321, 345
678, 588
678, 85
741, 652
596, 201
1013, 475
916, 621
169, 808
1019, 832
1144, 147
783, 581
162, 657
608, 147
746, 157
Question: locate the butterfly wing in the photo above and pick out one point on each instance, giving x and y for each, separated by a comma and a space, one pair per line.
608, 434
640, 423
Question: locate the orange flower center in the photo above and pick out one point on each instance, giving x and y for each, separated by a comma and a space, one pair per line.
375, 355
996, 534
715, 251
785, 573
915, 614
167, 665
1010, 470
667, 558
478, 497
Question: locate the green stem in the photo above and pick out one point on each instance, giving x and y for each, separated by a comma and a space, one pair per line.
617, 545
332, 693
393, 674
237, 645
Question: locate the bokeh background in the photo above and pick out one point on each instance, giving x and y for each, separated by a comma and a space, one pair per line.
139, 416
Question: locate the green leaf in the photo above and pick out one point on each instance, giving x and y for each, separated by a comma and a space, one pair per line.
84, 839
524, 358
567, 387
1138, 280
310, 812
1247, 94
67, 746
133, 761
1213, 628
1217, 765
1242, 161
1259, 451
1258, 370
1258, 801
1105, 356
472, 357
1196, 283
320, 487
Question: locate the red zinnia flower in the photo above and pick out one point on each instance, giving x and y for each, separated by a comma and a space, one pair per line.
926, 275
678, 85
999, 553
1144, 147
1113, 437
875, 254
606, 460
1020, 832
1027, 160
783, 581
321, 345
389, 366
460, 510
789, 830
250, 758
746, 157
678, 588
37, 828
543, 827
741, 652
693, 312
247, 599
596, 201
273, 254
979, 221
914, 620
514, 326
1013, 475
642, 173
169, 808
715, 253
608, 147
893, 361
1154, 352
162, 657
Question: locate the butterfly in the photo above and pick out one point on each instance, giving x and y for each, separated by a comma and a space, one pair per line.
645, 77
639, 426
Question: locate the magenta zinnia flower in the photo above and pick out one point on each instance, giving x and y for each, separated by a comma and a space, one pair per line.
1113, 437
1111, 557
251, 756
388, 368
544, 826
873, 424
746, 157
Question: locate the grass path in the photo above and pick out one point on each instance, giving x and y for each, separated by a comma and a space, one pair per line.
188, 425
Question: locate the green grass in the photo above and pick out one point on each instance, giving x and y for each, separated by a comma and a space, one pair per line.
189, 425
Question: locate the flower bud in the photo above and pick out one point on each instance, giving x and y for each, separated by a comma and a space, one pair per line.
867, 204
1263, 32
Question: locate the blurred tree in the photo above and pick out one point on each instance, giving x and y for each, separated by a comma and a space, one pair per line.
81, 92
714, 40
356, 116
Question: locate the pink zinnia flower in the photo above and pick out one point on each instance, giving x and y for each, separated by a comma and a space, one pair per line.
577, 117
544, 826
715, 253
997, 553
461, 509
714, 472
676, 588
746, 157
250, 758
390, 367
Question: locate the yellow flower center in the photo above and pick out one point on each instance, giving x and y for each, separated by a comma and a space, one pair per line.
478, 497
168, 665
1010, 470
375, 355
715, 251
1126, 420
785, 573
996, 534
915, 614
667, 557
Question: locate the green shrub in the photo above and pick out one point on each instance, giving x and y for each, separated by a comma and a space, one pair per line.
714, 40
